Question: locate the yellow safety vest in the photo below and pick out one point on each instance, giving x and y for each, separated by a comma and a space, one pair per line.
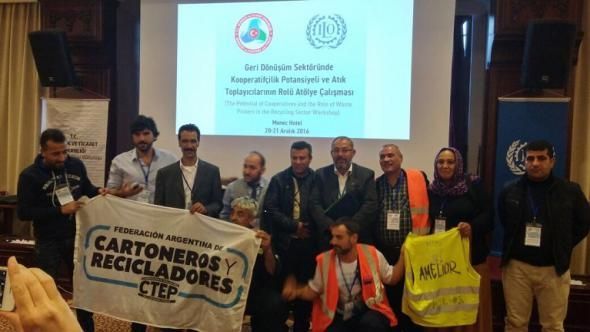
441, 287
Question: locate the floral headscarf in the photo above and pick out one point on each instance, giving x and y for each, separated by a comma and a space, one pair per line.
457, 186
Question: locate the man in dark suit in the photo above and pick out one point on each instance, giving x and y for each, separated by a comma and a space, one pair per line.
345, 180
193, 183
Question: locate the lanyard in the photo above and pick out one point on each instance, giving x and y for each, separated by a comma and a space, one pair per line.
442, 206
356, 274
146, 175
534, 206
186, 182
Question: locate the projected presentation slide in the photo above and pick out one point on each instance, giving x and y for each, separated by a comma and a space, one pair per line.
296, 68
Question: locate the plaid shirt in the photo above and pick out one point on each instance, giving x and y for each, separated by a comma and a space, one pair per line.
392, 198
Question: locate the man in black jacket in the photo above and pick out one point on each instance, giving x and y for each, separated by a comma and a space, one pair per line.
346, 182
286, 208
544, 217
48, 194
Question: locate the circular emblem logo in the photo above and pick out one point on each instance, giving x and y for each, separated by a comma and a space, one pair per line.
515, 157
253, 33
326, 31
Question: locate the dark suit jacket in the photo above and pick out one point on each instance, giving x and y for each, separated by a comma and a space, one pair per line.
360, 184
206, 188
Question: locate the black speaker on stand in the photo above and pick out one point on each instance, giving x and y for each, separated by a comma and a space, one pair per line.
52, 58
548, 53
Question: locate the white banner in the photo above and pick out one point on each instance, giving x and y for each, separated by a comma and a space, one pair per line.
84, 122
162, 266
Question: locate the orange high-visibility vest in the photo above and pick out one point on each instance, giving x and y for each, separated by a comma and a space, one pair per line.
418, 197
373, 291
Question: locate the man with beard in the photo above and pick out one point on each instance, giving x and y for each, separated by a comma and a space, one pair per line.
193, 183
48, 194
346, 181
138, 167
252, 185
347, 288
286, 208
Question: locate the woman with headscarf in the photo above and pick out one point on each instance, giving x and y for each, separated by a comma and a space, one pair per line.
459, 200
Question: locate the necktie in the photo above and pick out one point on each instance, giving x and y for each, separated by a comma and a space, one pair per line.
253, 190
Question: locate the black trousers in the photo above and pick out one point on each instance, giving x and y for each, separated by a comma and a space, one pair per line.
267, 309
395, 293
49, 255
300, 262
368, 321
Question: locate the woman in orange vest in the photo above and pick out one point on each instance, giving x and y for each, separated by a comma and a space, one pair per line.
459, 200
347, 289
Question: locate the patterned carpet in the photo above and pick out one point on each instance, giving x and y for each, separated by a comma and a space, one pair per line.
108, 324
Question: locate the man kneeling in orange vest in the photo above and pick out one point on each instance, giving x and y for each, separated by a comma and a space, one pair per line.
347, 289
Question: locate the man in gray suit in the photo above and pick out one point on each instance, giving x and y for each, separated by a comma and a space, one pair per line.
193, 183
343, 182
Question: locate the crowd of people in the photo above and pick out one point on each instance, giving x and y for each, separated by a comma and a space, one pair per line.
332, 239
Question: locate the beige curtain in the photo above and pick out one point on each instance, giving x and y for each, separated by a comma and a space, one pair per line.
580, 160
19, 92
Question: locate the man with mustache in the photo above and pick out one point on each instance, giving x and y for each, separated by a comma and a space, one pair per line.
347, 181
544, 217
267, 309
192, 183
347, 288
252, 185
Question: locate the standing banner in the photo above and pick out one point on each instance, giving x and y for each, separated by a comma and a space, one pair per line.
84, 122
162, 266
522, 120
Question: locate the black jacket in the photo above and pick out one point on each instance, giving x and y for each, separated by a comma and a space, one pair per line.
38, 202
473, 207
568, 217
206, 187
361, 185
278, 207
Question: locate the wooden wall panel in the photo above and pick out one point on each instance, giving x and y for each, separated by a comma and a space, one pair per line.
90, 27
511, 18
514, 15
81, 20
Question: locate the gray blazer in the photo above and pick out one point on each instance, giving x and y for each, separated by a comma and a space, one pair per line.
206, 188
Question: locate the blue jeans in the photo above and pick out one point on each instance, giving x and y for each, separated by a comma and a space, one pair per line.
49, 254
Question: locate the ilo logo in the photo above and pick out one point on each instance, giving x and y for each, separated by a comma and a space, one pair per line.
326, 31
253, 33
515, 157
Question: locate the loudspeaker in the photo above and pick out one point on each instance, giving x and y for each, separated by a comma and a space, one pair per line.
547, 54
52, 57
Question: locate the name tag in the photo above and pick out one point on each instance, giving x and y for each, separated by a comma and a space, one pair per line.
348, 310
393, 220
64, 196
144, 196
532, 237
440, 224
